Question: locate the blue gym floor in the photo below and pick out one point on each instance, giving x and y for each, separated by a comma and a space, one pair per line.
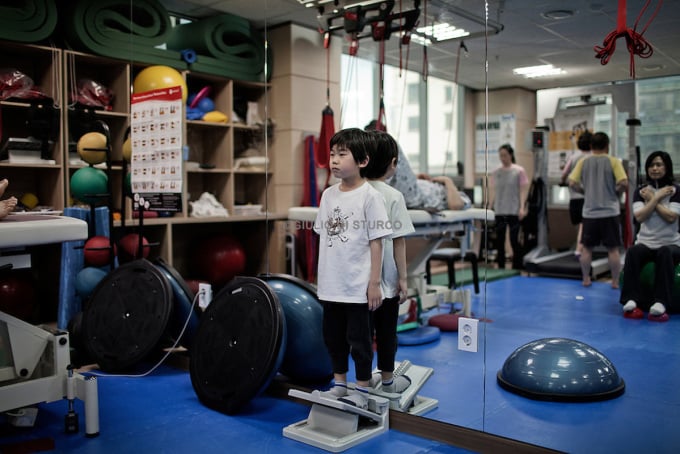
160, 413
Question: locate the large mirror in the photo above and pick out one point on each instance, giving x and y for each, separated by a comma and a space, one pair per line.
450, 105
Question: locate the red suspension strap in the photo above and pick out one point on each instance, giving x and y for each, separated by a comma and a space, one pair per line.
636, 44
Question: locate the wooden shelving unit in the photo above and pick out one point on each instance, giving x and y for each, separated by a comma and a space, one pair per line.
211, 150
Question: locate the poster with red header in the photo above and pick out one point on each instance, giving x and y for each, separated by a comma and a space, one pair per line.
156, 138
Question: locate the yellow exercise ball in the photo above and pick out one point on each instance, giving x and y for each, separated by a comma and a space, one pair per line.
92, 148
29, 200
159, 76
127, 150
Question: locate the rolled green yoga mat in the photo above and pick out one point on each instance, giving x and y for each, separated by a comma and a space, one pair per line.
225, 45
28, 21
122, 29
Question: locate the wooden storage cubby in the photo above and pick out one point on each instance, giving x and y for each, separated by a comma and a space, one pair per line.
45, 182
80, 118
251, 234
250, 187
42, 65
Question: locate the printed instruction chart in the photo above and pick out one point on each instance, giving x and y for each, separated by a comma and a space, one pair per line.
156, 137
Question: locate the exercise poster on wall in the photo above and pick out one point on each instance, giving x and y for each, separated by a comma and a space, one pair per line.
156, 137
568, 126
502, 129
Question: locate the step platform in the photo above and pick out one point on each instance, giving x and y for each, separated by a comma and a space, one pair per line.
409, 401
336, 426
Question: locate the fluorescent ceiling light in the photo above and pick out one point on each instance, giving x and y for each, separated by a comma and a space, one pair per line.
531, 72
420, 40
558, 14
441, 32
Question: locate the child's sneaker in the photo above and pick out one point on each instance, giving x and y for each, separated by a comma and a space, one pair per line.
376, 380
629, 306
357, 398
630, 310
657, 309
400, 383
336, 392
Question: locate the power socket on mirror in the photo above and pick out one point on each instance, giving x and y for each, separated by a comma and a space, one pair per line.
467, 334
204, 295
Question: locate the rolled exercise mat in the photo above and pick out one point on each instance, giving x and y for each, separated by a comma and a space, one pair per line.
121, 29
27, 21
225, 45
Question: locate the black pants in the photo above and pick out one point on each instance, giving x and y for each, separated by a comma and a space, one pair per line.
665, 258
346, 329
384, 322
504, 222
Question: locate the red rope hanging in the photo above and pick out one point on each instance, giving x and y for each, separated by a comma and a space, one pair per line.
636, 44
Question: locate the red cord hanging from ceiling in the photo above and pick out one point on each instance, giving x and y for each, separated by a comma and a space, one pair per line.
637, 45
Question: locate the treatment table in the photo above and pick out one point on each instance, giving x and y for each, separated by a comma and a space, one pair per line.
434, 228
35, 361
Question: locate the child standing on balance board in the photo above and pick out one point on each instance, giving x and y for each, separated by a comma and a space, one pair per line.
352, 223
382, 166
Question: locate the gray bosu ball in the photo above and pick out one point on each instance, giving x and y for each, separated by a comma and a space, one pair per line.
560, 369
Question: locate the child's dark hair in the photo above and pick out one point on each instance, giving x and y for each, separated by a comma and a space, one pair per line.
599, 141
358, 142
510, 151
584, 140
667, 179
383, 153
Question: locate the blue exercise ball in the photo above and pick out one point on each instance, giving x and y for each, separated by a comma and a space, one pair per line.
87, 280
306, 358
206, 105
560, 369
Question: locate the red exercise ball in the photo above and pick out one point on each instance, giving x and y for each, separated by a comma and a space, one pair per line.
97, 251
219, 259
17, 297
128, 248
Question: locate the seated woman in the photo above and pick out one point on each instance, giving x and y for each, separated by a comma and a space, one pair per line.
656, 207
8, 205
424, 192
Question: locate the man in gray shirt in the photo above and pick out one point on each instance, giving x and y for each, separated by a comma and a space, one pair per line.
602, 179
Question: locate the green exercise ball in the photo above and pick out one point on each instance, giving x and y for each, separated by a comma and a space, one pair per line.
676, 283
647, 276
647, 280
127, 185
87, 183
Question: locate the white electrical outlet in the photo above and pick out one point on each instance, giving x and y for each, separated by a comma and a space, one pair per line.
467, 334
204, 295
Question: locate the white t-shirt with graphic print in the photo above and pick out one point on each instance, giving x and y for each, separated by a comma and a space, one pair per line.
346, 222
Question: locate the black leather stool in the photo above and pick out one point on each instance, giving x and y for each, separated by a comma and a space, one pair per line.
450, 255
